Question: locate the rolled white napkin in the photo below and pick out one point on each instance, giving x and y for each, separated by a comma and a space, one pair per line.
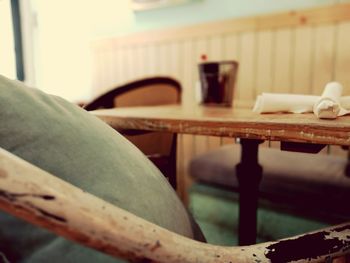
279, 102
296, 103
328, 105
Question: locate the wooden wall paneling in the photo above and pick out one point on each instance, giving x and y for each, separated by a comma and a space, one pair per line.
95, 72
145, 61
166, 58
283, 60
163, 56
323, 60
342, 60
231, 50
128, 64
175, 55
102, 76
188, 76
342, 67
282, 63
166, 53
246, 81
247, 60
134, 62
112, 69
122, 63
137, 62
108, 69
201, 46
301, 71
264, 64
264, 56
303, 58
104, 68
141, 61
231, 47
157, 58
216, 53
117, 65
185, 66
149, 60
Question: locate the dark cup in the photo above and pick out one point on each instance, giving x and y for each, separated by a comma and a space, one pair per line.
217, 82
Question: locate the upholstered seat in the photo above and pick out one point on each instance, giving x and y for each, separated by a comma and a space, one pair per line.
312, 183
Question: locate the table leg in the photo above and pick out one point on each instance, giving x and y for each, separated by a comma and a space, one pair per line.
249, 174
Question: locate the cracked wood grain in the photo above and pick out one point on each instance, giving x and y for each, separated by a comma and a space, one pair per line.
228, 122
44, 200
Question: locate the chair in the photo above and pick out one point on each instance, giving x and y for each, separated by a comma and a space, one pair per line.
159, 147
44, 200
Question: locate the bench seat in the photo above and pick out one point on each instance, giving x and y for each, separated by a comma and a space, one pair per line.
314, 184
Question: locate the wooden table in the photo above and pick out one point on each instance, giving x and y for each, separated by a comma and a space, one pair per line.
297, 131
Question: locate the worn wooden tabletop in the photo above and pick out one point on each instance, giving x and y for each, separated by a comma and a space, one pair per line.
230, 122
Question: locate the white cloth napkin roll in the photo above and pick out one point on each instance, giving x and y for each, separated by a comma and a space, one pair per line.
328, 105
279, 102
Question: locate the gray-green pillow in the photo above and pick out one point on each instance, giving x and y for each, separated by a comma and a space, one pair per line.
70, 143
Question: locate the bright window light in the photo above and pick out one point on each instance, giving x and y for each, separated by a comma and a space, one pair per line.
7, 50
64, 31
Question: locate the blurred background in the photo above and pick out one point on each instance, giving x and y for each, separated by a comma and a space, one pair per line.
55, 36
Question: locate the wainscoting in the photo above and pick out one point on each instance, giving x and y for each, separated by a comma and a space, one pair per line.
296, 52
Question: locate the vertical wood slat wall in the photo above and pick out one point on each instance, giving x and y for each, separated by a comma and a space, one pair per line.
296, 52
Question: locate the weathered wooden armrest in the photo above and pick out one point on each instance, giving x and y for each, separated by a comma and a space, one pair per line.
43, 199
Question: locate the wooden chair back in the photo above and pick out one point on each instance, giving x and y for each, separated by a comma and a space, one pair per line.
158, 146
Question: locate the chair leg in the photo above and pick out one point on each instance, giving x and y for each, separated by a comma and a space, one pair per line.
347, 167
172, 165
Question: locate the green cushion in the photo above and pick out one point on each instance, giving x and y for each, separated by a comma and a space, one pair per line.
70, 143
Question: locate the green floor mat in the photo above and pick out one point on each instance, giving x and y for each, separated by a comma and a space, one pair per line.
216, 211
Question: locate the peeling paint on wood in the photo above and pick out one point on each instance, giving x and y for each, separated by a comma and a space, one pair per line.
155, 246
14, 196
43, 199
228, 122
309, 246
2, 173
